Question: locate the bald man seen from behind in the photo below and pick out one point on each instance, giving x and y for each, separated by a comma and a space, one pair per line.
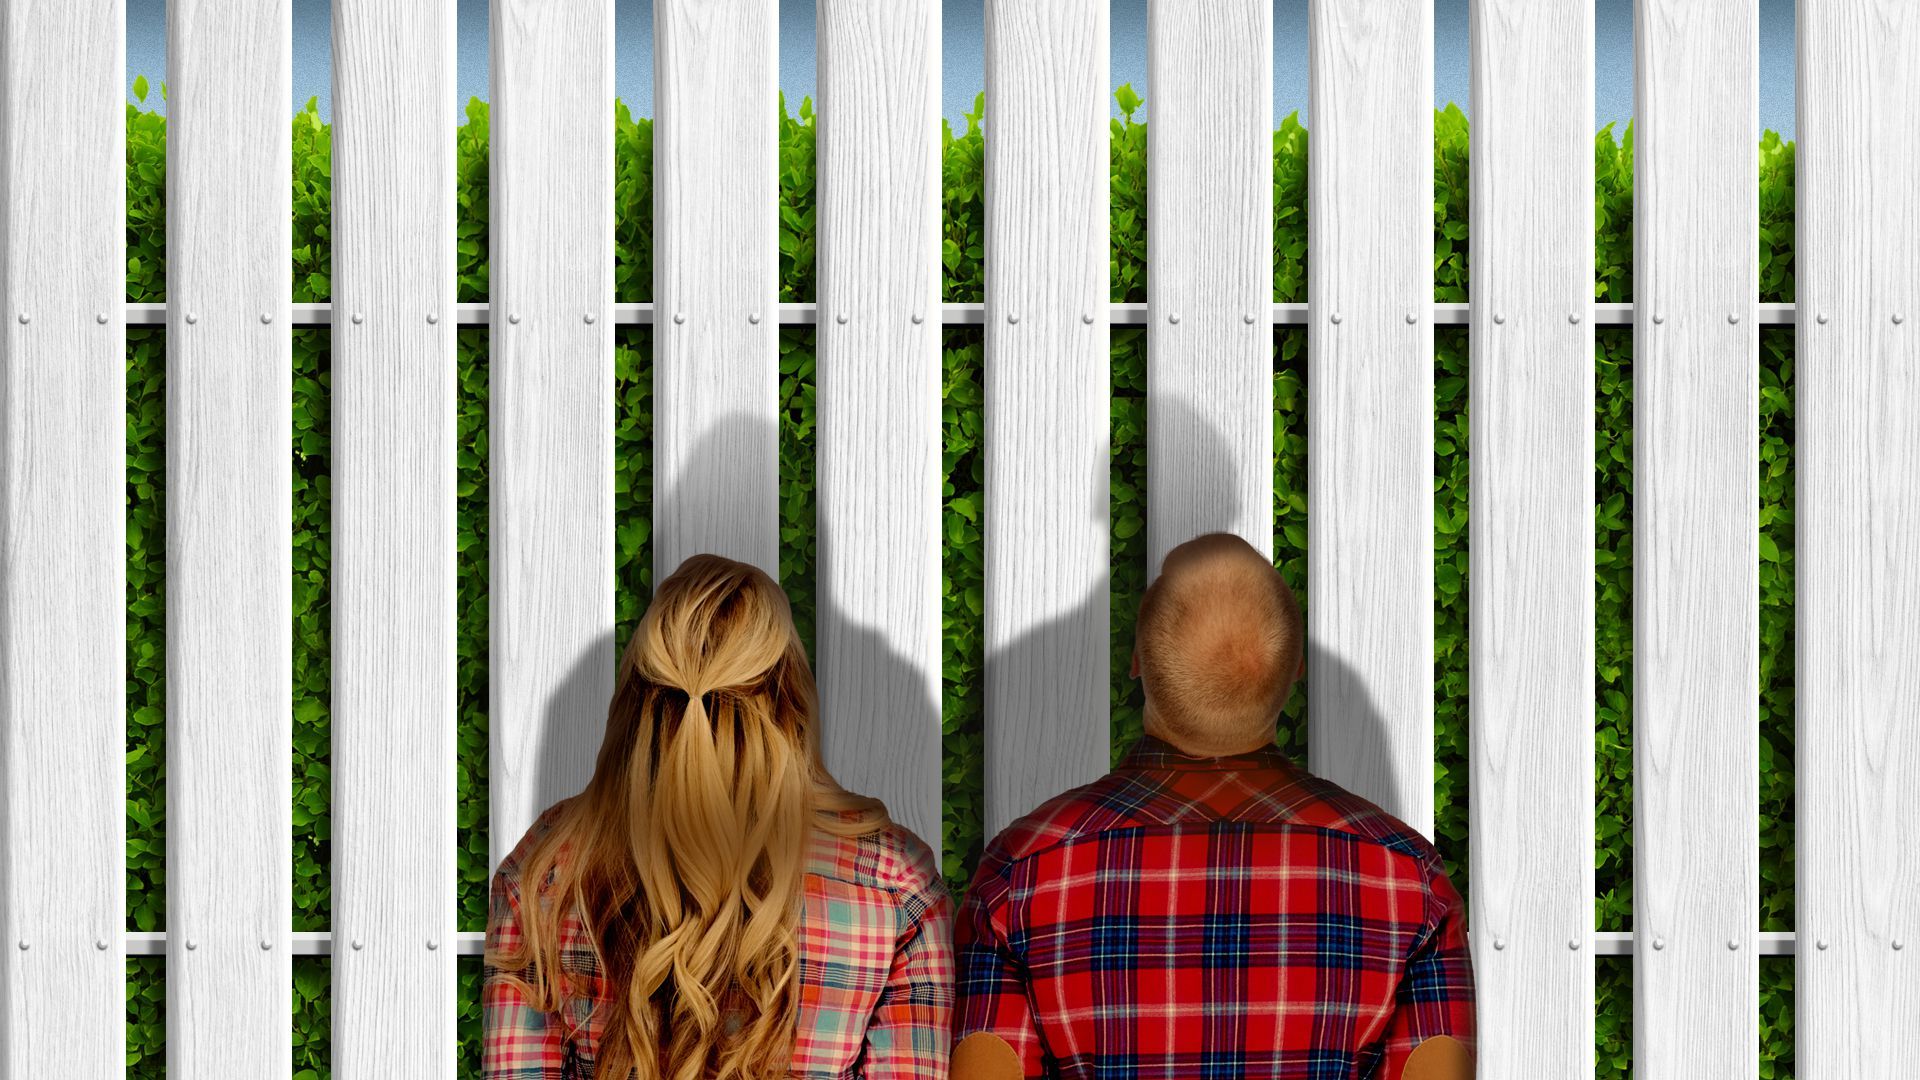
1209, 908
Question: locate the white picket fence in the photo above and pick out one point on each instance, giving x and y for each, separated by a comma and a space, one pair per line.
551, 319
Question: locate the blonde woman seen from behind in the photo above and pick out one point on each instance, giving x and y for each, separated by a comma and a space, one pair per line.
713, 906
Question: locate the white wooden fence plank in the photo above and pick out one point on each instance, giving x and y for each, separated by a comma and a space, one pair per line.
229, 539
715, 261
878, 400
1047, 385
393, 591
550, 405
1696, 633
1209, 273
1531, 589
1857, 634
1370, 403
63, 540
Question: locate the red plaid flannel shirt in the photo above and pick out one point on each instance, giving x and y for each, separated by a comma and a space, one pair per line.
1206, 917
875, 970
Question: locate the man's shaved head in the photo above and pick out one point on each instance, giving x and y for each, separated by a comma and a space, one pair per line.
1218, 644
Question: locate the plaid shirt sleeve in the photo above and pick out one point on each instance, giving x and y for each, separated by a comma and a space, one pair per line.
991, 981
907, 1036
519, 1042
1435, 995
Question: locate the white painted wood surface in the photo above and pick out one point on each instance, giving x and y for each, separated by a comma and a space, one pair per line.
229, 539
715, 263
63, 537
1857, 630
1696, 633
1530, 519
1047, 382
1209, 273
394, 557
1370, 403
878, 388
550, 405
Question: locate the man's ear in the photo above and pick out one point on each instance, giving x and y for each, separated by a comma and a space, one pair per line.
986, 1056
1133, 668
1302, 672
1439, 1057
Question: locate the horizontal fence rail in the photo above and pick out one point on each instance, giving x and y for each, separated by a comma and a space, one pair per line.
470, 943
1118, 314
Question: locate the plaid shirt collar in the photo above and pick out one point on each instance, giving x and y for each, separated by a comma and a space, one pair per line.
1152, 752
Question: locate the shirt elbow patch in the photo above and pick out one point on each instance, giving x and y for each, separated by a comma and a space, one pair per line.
1439, 1057
985, 1056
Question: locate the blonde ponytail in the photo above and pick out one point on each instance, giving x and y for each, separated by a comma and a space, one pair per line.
687, 848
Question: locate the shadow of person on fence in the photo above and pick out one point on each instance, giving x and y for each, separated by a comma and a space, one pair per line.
1051, 690
1056, 718
1192, 492
572, 726
880, 731
871, 695
1349, 744
1047, 702
697, 510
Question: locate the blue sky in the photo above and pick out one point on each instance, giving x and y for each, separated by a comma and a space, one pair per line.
962, 57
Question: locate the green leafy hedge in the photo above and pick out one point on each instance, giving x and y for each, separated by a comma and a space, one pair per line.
962, 256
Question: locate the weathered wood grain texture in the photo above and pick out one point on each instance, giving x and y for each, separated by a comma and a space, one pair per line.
1530, 523
878, 386
1696, 551
550, 405
394, 556
1047, 382
1857, 603
715, 265
63, 555
229, 539
1370, 407
1209, 273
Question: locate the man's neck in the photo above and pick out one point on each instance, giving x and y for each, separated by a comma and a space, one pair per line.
1193, 750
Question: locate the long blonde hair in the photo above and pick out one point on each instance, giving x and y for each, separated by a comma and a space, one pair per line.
688, 845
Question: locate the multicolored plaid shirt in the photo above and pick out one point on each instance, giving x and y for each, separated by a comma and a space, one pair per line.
875, 971
1211, 917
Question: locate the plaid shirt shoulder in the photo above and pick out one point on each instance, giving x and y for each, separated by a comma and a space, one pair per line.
875, 970
1187, 916
876, 960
